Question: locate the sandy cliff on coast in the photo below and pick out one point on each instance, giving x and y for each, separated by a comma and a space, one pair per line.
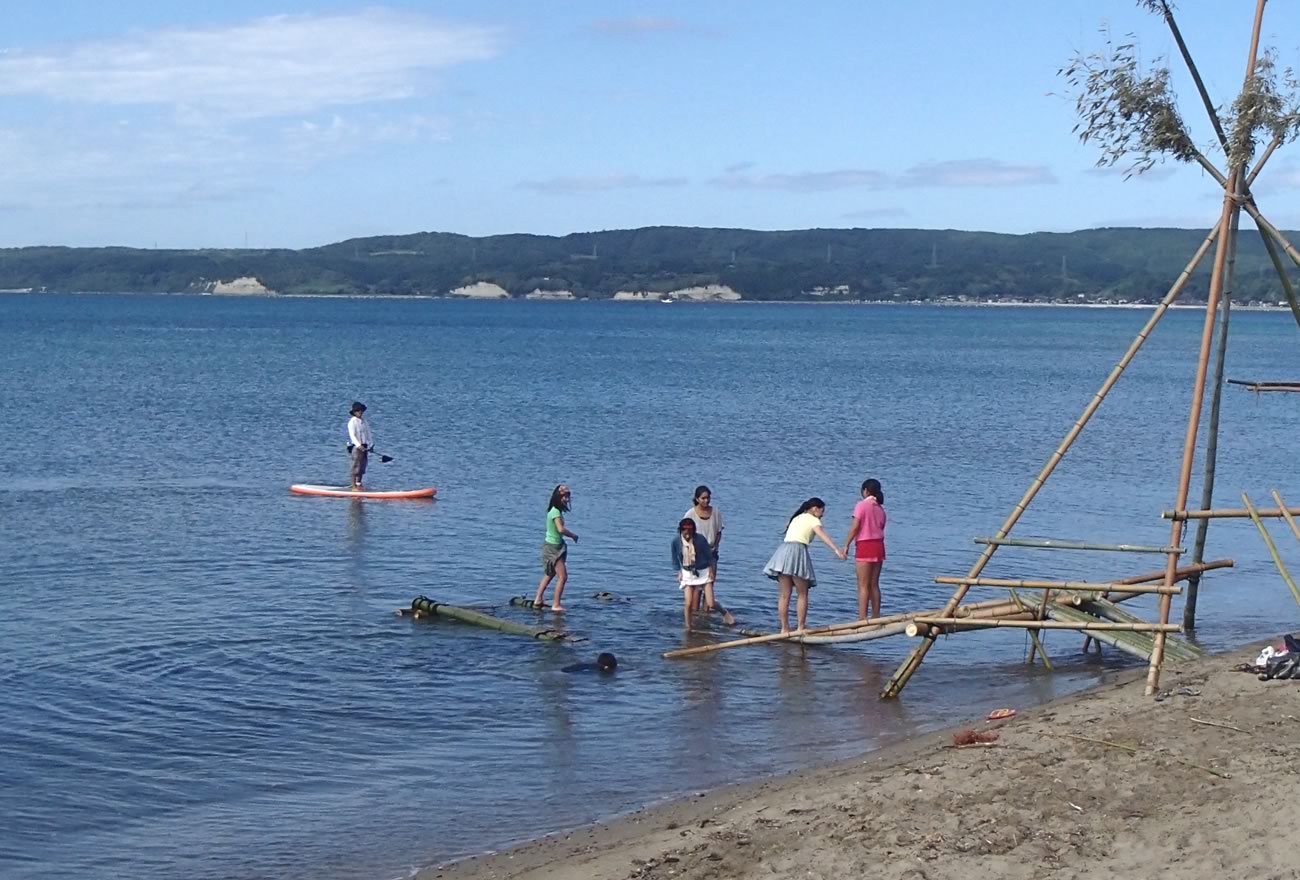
704, 293
244, 286
480, 290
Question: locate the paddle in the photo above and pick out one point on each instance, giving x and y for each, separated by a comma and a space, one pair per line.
383, 459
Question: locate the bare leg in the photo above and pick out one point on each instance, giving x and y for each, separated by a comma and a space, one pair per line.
783, 601
541, 590
561, 577
864, 590
712, 604
873, 585
689, 597
801, 606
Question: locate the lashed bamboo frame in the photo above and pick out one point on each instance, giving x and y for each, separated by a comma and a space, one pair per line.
909, 666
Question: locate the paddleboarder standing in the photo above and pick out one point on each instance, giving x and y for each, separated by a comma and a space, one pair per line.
360, 441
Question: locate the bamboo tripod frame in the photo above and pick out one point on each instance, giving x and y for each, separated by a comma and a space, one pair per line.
1236, 197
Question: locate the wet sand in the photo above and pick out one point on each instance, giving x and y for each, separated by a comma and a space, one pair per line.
1205, 800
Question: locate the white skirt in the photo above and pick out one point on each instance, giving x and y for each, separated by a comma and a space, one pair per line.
690, 579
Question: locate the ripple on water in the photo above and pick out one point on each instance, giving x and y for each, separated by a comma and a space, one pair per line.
201, 675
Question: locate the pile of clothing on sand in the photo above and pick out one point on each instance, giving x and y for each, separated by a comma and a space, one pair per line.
1276, 661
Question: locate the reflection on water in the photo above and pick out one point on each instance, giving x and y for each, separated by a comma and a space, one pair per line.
201, 674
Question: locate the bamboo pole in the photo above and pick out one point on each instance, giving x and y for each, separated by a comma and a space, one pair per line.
1167, 13
1212, 430
1217, 278
1288, 290
1035, 644
422, 606
1272, 548
1076, 586
1119, 640
1257, 387
909, 666
855, 626
1263, 160
1110, 611
1270, 233
918, 626
1286, 514
1183, 572
1054, 544
1230, 513
865, 635
1262, 222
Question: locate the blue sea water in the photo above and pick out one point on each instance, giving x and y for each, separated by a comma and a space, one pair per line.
202, 675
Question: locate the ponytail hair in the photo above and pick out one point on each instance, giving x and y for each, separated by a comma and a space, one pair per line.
805, 507
872, 488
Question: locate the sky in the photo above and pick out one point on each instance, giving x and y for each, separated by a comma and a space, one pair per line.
296, 123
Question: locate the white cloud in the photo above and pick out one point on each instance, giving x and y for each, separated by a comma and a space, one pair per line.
280, 65
809, 181
975, 172
598, 183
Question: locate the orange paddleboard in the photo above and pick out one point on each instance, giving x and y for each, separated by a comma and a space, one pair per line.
345, 492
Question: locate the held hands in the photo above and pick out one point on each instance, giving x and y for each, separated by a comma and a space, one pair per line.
841, 554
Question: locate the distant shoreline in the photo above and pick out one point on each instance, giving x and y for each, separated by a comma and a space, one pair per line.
1274, 307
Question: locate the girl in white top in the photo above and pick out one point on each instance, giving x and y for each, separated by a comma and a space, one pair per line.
791, 565
708, 524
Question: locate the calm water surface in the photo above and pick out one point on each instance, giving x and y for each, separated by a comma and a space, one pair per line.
201, 675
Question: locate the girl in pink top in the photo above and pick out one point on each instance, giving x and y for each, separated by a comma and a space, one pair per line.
868, 530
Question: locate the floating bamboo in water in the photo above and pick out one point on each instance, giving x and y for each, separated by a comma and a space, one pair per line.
1286, 514
1272, 548
1230, 513
1054, 544
920, 625
422, 606
1068, 586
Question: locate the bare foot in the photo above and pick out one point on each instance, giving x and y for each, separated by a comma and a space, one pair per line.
785, 630
559, 609
728, 618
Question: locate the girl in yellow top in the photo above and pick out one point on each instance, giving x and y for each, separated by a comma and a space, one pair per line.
791, 565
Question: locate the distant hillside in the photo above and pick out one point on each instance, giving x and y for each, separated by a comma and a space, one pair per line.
898, 264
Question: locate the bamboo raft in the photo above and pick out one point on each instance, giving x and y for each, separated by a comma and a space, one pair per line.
1089, 607
423, 606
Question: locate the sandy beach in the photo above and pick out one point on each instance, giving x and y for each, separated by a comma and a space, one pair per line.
1060, 794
